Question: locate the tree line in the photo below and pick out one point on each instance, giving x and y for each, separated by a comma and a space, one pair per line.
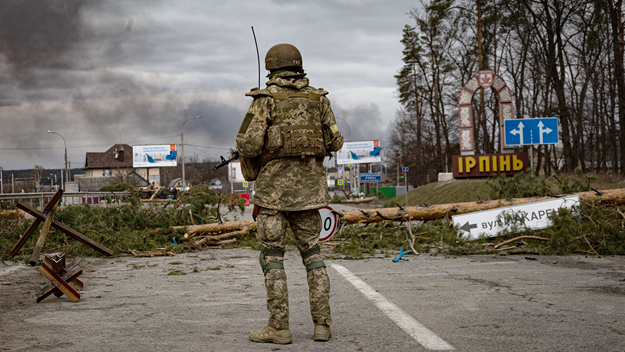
561, 58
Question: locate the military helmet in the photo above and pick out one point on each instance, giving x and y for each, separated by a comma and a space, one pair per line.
283, 55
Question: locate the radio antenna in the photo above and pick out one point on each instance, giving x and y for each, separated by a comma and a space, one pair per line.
257, 56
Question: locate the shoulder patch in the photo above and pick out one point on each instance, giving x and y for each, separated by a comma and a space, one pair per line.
257, 93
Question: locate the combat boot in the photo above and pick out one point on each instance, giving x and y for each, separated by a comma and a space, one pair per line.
322, 333
269, 334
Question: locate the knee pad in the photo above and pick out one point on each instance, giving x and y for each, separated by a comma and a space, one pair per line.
272, 253
312, 265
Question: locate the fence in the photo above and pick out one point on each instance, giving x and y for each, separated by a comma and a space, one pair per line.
37, 199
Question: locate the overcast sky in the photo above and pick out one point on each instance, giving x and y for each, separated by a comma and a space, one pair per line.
104, 72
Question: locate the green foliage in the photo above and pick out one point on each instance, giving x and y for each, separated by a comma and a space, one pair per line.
199, 199
576, 183
521, 185
175, 272
390, 204
117, 187
588, 225
380, 195
123, 226
336, 199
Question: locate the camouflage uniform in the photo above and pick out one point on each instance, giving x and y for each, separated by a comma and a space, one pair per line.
289, 190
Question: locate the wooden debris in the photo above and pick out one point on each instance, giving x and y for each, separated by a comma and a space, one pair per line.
520, 238
497, 250
150, 253
158, 190
589, 245
229, 226
357, 201
210, 239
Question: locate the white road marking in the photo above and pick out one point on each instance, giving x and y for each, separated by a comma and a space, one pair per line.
423, 335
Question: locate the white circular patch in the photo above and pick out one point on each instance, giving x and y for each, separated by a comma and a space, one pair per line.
329, 223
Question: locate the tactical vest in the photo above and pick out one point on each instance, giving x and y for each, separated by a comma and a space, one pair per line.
296, 130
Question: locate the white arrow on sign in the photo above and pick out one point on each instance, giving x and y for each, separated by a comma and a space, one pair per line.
542, 131
530, 215
520, 132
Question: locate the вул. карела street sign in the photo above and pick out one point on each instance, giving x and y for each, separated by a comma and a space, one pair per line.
491, 222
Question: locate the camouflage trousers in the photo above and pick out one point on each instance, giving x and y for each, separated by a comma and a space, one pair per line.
306, 226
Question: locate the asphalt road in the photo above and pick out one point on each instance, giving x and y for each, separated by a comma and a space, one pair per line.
473, 303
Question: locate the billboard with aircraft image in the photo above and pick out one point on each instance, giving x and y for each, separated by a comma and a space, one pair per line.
363, 152
154, 155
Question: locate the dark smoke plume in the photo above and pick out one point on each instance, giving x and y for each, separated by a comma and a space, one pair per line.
38, 33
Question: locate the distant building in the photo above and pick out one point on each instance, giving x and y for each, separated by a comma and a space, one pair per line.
116, 162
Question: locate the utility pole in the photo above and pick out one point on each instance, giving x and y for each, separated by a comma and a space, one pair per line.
182, 148
66, 171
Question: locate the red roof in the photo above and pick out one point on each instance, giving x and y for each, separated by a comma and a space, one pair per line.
118, 156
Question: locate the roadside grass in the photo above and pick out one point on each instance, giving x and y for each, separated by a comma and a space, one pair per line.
499, 187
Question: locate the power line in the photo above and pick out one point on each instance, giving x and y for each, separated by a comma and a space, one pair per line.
206, 146
87, 146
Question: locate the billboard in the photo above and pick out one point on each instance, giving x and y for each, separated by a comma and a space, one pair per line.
359, 153
154, 155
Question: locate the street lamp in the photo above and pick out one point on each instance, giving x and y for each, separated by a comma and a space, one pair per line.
349, 129
66, 171
182, 146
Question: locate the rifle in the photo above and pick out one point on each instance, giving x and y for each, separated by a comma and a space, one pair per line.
224, 162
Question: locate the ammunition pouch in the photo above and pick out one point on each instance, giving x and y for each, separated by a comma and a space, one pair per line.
272, 253
313, 265
250, 167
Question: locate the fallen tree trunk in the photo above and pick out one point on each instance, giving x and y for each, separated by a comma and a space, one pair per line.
357, 201
441, 211
411, 213
219, 228
521, 238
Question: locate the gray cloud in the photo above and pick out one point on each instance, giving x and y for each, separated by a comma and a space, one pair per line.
98, 71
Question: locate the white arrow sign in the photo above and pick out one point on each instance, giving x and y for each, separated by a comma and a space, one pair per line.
519, 132
542, 131
530, 215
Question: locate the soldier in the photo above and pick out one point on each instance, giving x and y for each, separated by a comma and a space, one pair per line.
287, 131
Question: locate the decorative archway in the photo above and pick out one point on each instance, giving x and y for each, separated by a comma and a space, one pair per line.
485, 79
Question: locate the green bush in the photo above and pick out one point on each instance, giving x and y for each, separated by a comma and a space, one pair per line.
122, 226
336, 199
521, 185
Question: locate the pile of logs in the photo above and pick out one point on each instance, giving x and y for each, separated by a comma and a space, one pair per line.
217, 234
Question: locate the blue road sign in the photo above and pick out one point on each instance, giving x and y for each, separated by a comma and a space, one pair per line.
371, 178
339, 182
404, 169
531, 131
